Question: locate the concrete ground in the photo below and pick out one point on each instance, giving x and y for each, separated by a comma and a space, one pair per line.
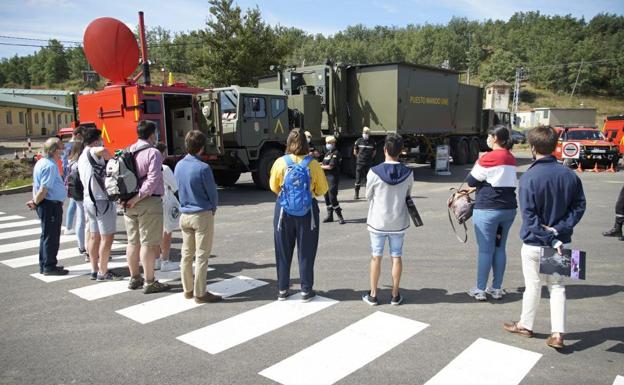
51, 336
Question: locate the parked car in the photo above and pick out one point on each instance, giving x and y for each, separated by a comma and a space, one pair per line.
518, 136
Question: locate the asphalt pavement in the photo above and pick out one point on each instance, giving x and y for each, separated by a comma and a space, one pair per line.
77, 331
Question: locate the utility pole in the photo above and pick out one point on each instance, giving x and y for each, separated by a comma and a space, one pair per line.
576, 81
516, 95
468, 55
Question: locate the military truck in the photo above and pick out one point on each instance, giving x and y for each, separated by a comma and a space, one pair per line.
428, 106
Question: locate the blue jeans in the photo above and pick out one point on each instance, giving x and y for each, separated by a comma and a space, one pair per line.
491, 256
71, 212
80, 224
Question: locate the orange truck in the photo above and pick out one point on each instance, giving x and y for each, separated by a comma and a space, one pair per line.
613, 130
585, 146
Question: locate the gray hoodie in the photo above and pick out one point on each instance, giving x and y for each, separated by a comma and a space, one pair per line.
387, 186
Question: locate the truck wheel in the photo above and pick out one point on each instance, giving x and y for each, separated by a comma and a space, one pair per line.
226, 178
264, 167
461, 153
256, 179
474, 150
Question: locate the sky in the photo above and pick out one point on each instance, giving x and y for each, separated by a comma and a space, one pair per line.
67, 19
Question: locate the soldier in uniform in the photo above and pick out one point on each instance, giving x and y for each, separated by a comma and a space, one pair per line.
364, 151
331, 166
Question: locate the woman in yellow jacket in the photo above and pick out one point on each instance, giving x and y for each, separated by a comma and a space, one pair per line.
290, 229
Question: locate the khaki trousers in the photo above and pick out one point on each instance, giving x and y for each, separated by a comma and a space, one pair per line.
197, 233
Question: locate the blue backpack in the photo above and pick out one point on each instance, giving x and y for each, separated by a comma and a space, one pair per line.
295, 197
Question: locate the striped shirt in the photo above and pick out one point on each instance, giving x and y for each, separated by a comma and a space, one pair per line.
494, 176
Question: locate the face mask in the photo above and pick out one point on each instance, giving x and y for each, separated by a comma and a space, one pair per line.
329, 147
308, 139
490, 141
365, 136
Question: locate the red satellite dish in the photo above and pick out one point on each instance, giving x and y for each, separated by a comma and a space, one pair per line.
111, 49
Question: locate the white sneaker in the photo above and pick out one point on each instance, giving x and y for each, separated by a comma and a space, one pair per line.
169, 266
157, 264
69, 231
496, 293
477, 294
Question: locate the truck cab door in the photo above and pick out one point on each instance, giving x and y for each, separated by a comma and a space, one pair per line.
255, 121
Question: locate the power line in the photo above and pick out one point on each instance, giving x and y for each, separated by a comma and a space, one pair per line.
35, 39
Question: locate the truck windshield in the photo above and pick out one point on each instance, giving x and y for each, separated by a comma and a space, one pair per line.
229, 101
584, 135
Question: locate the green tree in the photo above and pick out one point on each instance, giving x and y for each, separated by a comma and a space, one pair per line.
56, 70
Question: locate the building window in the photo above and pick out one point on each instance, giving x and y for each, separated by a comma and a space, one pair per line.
36, 118
42, 118
21, 117
58, 119
546, 114
49, 118
9, 117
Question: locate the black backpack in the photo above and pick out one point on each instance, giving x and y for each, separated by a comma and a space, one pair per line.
75, 189
99, 173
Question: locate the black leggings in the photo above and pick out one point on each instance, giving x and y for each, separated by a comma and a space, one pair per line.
619, 204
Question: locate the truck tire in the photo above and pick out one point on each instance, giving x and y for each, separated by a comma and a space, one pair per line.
461, 152
474, 149
226, 178
264, 167
256, 179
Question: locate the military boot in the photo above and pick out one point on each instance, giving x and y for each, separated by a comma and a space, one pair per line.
616, 230
357, 193
330, 215
339, 215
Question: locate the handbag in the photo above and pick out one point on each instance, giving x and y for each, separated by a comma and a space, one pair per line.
413, 212
461, 205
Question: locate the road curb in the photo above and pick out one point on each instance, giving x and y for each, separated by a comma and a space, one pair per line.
16, 190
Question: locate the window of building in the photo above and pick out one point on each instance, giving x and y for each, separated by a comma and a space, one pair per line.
546, 114
21, 117
9, 117
277, 106
49, 118
254, 107
58, 119
36, 118
42, 117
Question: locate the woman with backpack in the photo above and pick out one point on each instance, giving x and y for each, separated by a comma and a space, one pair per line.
75, 192
297, 179
494, 177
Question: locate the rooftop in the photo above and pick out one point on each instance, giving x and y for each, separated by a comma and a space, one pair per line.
24, 102
23, 91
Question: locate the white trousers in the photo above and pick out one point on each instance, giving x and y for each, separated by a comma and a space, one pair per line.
533, 291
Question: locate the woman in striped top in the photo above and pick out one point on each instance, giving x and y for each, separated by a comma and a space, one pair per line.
494, 177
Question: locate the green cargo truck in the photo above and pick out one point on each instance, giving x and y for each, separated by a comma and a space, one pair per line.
428, 106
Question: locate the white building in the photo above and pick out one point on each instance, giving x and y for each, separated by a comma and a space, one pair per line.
497, 96
547, 116
525, 119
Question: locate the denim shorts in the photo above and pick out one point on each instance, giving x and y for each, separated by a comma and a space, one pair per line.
395, 242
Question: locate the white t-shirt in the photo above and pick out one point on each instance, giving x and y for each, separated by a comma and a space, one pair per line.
171, 206
86, 171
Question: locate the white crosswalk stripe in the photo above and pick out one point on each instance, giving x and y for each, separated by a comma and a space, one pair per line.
62, 254
11, 225
342, 353
241, 328
108, 289
34, 243
20, 233
79, 270
10, 218
619, 380
506, 365
176, 303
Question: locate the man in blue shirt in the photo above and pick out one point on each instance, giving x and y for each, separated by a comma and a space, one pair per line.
552, 202
48, 195
198, 203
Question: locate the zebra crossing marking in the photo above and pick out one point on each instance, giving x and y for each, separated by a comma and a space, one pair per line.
20, 233
246, 326
62, 254
10, 218
619, 380
34, 243
344, 352
107, 289
162, 307
79, 270
11, 225
506, 365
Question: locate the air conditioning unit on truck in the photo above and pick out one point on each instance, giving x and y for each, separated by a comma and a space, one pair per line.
112, 50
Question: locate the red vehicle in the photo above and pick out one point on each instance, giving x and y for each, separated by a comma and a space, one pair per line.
613, 130
585, 146
111, 49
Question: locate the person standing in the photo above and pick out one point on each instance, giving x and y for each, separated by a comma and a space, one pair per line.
48, 195
98, 209
144, 211
76, 194
72, 205
364, 151
306, 182
616, 230
387, 187
552, 202
198, 203
313, 151
494, 177
331, 166
171, 215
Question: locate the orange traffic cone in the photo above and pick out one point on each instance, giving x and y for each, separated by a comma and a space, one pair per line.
579, 167
596, 169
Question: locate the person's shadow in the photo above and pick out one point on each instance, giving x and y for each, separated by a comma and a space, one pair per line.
592, 338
